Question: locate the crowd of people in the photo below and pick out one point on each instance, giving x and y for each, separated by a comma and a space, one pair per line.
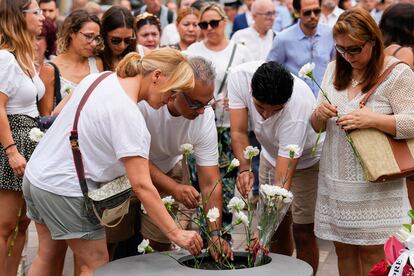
219, 76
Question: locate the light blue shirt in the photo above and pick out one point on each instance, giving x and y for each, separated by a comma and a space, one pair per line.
283, 19
293, 49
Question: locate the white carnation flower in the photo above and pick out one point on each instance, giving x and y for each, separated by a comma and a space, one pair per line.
143, 209
251, 152
36, 134
242, 218
168, 200
143, 246
236, 204
306, 70
293, 149
186, 149
235, 163
269, 190
213, 214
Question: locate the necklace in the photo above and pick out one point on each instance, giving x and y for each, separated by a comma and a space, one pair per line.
354, 83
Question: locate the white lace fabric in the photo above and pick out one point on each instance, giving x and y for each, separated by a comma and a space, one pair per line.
349, 209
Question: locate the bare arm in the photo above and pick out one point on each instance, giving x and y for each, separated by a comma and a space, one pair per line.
284, 171
16, 161
137, 169
185, 194
47, 75
239, 141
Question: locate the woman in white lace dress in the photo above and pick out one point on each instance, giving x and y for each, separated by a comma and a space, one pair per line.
357, 215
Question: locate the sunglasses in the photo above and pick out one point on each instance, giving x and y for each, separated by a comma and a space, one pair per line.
196, 105
213, 24
316, 11
37, 12
118, 40
353, 50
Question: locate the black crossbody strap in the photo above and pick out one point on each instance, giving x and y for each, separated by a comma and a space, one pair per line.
77, 156
56, 83
227, 69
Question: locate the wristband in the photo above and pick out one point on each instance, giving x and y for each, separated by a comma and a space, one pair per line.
9, 146
216, 233
243, 171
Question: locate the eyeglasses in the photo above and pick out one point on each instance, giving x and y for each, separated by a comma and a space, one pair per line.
118, 40
316, 11
91, 38
213, 24
37, 12
353, 50
196, 105
266, 14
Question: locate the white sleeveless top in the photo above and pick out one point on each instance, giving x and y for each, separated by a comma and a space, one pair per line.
66, 85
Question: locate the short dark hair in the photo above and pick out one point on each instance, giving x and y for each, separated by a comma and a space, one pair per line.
296, 5
47, 1
272, 84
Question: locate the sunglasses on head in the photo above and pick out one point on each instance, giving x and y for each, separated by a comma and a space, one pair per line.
213, 24
353, 50
118, 40
315, 11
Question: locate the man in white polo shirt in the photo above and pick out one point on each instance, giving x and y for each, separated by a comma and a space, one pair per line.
187, 118
258, 38
278, 106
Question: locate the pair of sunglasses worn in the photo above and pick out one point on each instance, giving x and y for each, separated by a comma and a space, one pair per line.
353, 50
118, 40
213, 24
316, 11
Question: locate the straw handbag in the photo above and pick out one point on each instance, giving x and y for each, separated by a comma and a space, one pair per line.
383, 157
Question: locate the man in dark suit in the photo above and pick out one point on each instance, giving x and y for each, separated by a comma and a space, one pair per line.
243, 20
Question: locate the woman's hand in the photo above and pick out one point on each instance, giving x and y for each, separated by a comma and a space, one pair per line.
189, 240
244, 182
16, 161
358, 119
325, 111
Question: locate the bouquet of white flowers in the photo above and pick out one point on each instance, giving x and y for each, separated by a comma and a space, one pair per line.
273, 204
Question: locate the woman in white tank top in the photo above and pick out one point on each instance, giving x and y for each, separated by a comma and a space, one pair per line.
77, 44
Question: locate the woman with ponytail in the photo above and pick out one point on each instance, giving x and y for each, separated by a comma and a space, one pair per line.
20, 88
114, 141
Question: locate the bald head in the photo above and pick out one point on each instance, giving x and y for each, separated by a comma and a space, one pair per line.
263, 13
262, 5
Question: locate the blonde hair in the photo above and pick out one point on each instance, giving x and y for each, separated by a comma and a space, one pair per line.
213, 7
171, 62
183, 12
14, 35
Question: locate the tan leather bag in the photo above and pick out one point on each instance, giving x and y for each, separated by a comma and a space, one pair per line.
383, 157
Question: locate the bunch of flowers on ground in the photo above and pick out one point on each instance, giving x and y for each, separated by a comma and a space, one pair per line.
399, 253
